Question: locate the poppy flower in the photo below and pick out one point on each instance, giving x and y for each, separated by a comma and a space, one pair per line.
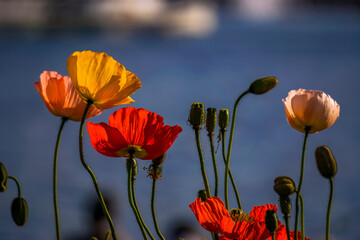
133, 130
310, 108
214, 217
60, 97
99, 78
281, 234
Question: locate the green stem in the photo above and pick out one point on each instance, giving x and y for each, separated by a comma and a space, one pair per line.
286, 217
98, 192
273, 235
108, 233
56, 209
137, 208
302, 217
230, 173
153, 208
229, 147
329, 209
17, 184
211, 138
202, 164
130, 169
298, 192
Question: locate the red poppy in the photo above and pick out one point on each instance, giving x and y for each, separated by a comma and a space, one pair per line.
214, 217
132, 129
281, 234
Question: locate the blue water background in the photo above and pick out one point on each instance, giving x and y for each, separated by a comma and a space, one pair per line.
319, 50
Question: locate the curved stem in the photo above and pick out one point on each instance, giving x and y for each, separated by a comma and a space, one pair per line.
98, 192
230, 174
286, 217
153, 208
229, 147
56, 209
302, 217
329, 209
130, 195
298, 192
17, 184
202, 164
211, 138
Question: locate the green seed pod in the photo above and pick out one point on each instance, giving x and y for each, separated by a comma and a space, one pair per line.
19, 211
284, 186
159, 160
3, 178
325, 161
271, 221
263, 85
223, 118
197, 115
210, 124
285, 205
202, 194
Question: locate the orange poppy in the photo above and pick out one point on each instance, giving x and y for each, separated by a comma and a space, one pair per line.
214, 217
281, 234
98, 78
310, 108
60, 97
133, 130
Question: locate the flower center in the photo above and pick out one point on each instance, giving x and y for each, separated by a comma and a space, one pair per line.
138, 152
237, 215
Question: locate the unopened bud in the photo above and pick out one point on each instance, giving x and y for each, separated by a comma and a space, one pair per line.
211, 120
159, 160
202, 195
223, 118
325, 161
263, 85
19, 211
3, 178
284, 186
285, 205
197, 115
271, 221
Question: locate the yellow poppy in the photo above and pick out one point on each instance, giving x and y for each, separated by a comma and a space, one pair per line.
99, 78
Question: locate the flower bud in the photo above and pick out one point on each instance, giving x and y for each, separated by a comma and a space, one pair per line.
285, 205
159, 160
284, 186
210, 124
271, 221
202, 195
263, 85
325, 161
3, 178
223, 118
19, 211
197, 115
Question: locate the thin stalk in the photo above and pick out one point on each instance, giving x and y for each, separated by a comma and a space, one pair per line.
273, 235
229, 147
56, 209
298, 192
287, 226
17, 184
108, 234
329, 209
211, 138
153, 208
302, 217
230, 174
130, 195
98, 192
202, 164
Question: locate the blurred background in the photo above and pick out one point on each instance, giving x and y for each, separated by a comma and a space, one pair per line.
183, 52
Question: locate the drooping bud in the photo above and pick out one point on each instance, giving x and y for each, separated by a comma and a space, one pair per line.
285, 205
325, 161
202, 194
263, 85
210, 124
3, 178
19, 211
197, 115
223, 118
284, 186
271, 221
159, 160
